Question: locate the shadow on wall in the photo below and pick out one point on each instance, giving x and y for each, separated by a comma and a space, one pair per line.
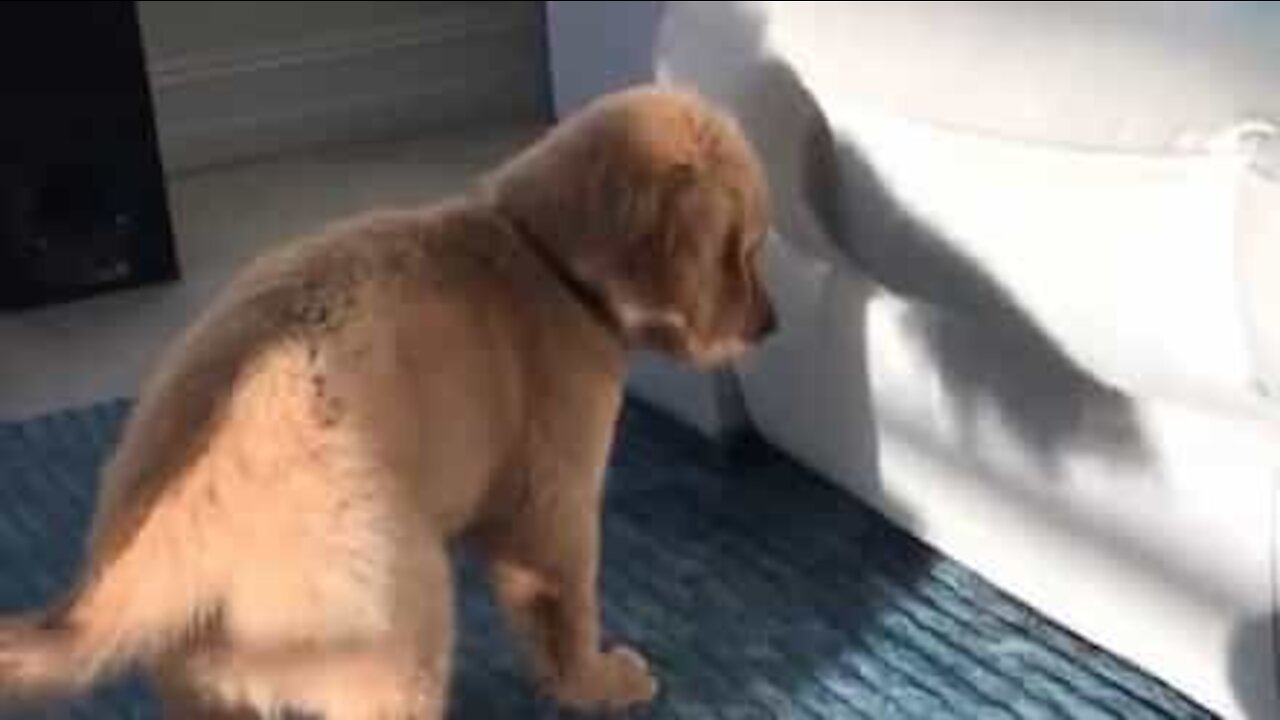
596, 47
1256, 682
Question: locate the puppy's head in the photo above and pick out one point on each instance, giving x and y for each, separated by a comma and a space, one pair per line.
656, 202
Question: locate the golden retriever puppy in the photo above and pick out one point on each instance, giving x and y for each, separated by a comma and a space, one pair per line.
274, 525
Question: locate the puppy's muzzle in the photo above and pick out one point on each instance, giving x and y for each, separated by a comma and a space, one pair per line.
766, 321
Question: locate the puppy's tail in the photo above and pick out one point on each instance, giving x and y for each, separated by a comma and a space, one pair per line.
38, 657
132, 610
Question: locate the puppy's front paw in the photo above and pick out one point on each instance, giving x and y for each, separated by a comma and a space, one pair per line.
617, 680
628, 678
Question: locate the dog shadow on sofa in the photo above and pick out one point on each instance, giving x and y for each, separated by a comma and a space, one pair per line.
996, 361
999, 367
1003, 372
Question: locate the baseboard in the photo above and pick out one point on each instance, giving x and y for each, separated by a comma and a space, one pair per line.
474, 63
709, 401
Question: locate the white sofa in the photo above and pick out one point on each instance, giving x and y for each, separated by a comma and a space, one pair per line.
1027, 264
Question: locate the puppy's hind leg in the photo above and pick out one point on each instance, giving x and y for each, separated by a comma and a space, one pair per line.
400, 673
180, 701
376, 683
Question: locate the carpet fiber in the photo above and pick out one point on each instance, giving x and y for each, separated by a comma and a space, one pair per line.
756, 590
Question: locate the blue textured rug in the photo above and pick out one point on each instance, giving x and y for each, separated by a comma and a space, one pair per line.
756, 590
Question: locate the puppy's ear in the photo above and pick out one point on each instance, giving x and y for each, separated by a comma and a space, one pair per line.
644, 260
666, 285
622, 202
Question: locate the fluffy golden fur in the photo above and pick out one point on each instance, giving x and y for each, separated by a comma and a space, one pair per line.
274, 526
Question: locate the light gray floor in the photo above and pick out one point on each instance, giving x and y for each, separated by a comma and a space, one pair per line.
100, 348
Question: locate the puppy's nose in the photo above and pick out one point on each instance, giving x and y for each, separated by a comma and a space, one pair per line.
768, 323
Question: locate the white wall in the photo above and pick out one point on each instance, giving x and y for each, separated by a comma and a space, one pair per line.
234, 79
599, 46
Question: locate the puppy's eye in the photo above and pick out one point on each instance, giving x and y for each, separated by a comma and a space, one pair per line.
732, 254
